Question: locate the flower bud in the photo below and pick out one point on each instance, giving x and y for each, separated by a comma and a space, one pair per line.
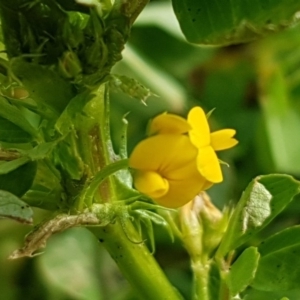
202, 226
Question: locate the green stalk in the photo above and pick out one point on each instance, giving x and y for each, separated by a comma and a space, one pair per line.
201, 276
135, 262
129, 10
224, 291
224, 267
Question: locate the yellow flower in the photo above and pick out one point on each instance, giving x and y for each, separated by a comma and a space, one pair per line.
178, 160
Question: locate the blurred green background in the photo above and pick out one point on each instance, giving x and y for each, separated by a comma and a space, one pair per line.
254, 88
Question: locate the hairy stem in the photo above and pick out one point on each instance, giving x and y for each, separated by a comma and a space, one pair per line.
200, 272
136, 263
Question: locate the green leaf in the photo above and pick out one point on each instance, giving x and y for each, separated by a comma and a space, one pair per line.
12, 133
129, 86
264, 198
44, 85
41, 151
68, 158
14, 115
279, 267
41, 109
78, 255
65, 122
279, 270
9, 166
243, 270
74, 116
13, 208
226, 22
282, 239
160, 14
20, 180
253, 294
45, 191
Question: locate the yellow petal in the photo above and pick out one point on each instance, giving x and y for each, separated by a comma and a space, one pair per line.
184, 171
168, 124
181, 192
150, 183
207, 185
223, 139
200, 133
163, 153
208, 165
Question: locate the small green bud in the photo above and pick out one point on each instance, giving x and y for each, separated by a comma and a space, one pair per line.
191, 230
214, 222
202, 226
69, 65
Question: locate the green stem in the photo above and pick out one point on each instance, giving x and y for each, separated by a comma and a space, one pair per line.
201, 277
136, 263
224, 291
224, 267
128, 10
136, 9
